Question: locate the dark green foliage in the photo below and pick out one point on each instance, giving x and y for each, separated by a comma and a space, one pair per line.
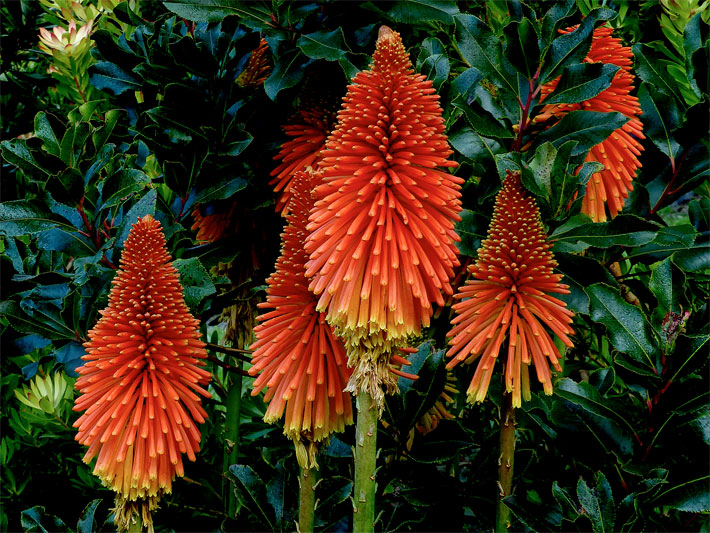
620, 446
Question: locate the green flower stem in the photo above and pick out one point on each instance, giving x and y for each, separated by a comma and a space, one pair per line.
307, 499
136, 525
365, 464
231, 445
505, 463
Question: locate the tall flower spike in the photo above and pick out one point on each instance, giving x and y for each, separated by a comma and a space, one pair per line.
257, 68
302, 362
508, 294
308, 130
141, 379
619, 152
382, 240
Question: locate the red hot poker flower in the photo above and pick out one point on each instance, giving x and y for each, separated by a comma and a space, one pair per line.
620, 151
302, 362
257, 68
213, 226
382, 240
142, 376
308, 131
509, 295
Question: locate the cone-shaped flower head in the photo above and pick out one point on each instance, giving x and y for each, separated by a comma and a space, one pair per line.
214, 224
308, 130
619, 152
257, 68
302, 363
382, 241
508, 295
142, 377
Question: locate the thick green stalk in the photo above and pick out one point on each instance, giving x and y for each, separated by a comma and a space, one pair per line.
365, 464
135, 526
307, 500
505, 465
231, 434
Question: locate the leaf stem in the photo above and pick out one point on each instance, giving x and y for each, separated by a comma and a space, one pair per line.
365, 464
231, 439
307, 500
505, 462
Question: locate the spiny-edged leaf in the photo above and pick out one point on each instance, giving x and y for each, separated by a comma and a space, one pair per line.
483, 122
276, 491
251, 492
667, 241
588, 128
196, 282
581, 82
35, 520
253, 14
122, 184
598, 413
580, 272
660, 117
465, 83
699, 213
144, 206
565, 501
481, 49
533, 516
626, 324
417, 11
555, 17
87, 521
436, 68
62, 240
108, 76
522, 49
221, 191
668, 285
572, 47
692, 496
623, 230
323, 44
598, 504
44, 131
17, 153
287, 72
21, 217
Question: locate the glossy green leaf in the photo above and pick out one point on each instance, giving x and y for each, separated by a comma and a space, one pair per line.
287, 72
582, 82
17, 153
522, 49
580, 272
221, 191
626, 324
695, 259
120, 185
484, 123
108, 76
36, 520
598, 504
587, 128
87, 521
43, 130
323, 45
144, 206
660, 118
649, 69
667, 284
21, 217
623, 230
480, 48
692, 496
699, 213
572, 47
555, 16
466, 82
471, 144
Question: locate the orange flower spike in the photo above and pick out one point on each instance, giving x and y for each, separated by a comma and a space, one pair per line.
308, 131
382, 240
509, 294
257, 69
142, 378
620, 151
300, 360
